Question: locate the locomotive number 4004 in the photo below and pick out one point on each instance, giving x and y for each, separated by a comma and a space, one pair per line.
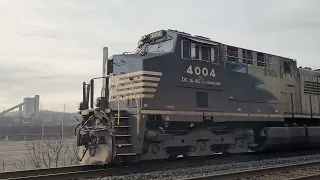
198, 71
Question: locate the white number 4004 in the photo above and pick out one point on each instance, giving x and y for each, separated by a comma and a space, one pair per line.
198, 71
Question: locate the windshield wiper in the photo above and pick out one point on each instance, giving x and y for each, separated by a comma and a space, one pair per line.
160, 44
145, 49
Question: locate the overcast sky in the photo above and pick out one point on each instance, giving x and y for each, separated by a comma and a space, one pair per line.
49, 47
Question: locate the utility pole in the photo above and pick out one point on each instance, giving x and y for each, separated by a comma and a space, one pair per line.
64, 115
42, 128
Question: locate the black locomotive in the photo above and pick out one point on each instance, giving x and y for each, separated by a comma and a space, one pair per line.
179, 94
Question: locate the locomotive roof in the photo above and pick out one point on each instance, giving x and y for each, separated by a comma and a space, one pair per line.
208, 40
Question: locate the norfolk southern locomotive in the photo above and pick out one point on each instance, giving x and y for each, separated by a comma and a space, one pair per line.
182, 94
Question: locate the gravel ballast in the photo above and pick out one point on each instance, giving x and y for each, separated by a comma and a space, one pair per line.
180, 173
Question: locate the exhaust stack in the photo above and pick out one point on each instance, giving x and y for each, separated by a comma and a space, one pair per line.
105, 81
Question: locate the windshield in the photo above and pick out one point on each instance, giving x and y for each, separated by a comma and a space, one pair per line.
157, 42
160, 47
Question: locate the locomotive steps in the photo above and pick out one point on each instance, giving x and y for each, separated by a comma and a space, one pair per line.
123, 140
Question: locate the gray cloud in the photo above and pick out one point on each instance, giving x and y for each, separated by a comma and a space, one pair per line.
46, 33
50, 47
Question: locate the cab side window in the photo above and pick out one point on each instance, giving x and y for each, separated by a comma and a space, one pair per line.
186, 49
197, 51
286, 66
205, 53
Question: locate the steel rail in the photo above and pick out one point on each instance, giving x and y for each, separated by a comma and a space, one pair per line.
72, 173
80, 172
308, 177
68, 175
75, 172
260, 171
43, 172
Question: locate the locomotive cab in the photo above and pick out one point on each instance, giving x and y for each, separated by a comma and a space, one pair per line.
128, 79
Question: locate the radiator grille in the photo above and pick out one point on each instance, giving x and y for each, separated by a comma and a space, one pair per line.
311, 87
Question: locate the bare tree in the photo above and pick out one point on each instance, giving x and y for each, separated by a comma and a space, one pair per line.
3, 162
35, 153
50, 153
70, 151
19, 164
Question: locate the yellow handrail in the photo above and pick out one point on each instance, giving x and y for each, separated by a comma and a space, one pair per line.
138, 108
118, 100
137, 104
116, 87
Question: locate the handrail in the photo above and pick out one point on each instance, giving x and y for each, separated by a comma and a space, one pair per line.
118, 100
88, 92
88, 89
136, 101
138, 107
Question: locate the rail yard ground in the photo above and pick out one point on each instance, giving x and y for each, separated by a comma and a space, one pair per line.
14, 154
15, 151
234, 166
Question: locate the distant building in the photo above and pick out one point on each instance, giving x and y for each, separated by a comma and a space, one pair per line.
31, 108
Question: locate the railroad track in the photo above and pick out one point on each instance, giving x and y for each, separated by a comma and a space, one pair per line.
299, 171
69, 173
72, 172
83, 172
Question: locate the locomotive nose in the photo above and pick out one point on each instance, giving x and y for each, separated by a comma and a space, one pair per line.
96, 150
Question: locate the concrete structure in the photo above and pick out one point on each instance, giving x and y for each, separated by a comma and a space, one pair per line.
31, 107
28, 109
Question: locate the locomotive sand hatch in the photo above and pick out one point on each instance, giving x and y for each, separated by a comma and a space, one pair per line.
182, 94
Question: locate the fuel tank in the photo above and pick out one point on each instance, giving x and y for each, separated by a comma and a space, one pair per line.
284, 138
313, 136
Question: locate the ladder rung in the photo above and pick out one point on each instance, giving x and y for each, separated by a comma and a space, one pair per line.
122, 126
121, 117
122, 135
123, 145
127, 154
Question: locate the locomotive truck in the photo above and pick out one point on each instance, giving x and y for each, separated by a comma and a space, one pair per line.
182, 94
